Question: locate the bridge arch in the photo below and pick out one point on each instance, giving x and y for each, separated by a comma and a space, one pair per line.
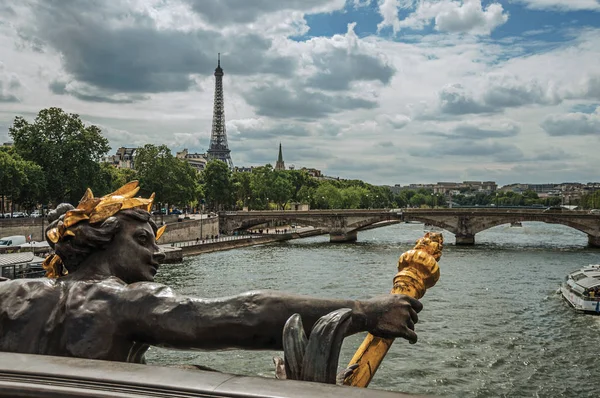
341, 225
466, 223
436, 223
548, 220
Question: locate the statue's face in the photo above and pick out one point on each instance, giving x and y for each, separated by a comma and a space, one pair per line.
135, 255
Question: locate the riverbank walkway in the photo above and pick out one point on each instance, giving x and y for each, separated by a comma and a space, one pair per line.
255, 234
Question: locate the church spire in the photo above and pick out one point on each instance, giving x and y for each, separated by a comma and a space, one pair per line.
280, 165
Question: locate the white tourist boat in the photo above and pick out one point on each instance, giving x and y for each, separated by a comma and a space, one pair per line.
581, 289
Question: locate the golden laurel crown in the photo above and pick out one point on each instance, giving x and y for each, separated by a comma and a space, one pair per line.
95, 210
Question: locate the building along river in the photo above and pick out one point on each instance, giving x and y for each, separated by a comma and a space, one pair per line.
492, 326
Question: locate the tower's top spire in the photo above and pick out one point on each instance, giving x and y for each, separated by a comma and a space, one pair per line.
219, 70
280, 165
280, 157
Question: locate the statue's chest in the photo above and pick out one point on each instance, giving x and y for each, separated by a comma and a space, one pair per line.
90, 331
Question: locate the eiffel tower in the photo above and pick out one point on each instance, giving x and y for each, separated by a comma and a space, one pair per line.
218, 138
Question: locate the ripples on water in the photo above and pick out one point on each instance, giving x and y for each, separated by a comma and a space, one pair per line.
492, 326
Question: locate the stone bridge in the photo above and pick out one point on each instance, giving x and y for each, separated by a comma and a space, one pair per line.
341, 225
464, 223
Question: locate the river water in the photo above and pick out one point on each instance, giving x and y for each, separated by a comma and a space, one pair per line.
493, 325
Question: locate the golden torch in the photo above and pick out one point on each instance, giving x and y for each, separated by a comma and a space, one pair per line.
417, 271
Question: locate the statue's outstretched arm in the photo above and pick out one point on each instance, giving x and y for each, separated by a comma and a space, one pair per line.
154, 314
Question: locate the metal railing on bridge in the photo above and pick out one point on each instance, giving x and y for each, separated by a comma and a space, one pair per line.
226, 238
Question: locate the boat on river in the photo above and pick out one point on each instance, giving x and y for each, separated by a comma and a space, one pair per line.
21, 265
581, 289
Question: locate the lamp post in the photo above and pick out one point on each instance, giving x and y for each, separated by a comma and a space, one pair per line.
201, 220
43, 237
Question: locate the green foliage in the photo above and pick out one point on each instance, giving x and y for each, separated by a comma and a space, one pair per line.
281, 189
328, 196
352, 197
418, 200
299, 179
260, 183
20, 180
218, 186
591, 200
242, 188
110, 178
66, 150
173, 180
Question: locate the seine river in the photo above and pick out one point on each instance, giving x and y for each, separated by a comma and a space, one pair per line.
493, 326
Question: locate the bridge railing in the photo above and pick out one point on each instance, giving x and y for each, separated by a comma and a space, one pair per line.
26, 375
307, 212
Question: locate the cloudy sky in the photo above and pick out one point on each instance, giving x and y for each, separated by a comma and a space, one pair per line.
388, 91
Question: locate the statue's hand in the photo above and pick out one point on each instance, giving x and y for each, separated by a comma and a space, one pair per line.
345, 373
393, 315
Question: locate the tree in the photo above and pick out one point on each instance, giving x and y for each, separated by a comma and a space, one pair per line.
241, 182
352, 197
299, 179
260, 182
328, 196
110, 178
173, 180
218, 188
20, 180
67, 150
12, 177
185, 186
418, 200
307, 195
32, 189
281, 189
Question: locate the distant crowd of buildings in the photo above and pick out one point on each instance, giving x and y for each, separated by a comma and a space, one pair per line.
569, 191
124, 158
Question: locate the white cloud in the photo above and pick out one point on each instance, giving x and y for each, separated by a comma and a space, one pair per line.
9, 85
361, 3
562, 5
457, 16
572, 124
352, 105
397, 121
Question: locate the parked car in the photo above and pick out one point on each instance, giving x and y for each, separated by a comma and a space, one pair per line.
16, 240
35, 214
19, 214
176, 211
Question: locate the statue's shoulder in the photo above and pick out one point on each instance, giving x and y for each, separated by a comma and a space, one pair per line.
115, 286
27, 284
30, 288
133, 293
152, 288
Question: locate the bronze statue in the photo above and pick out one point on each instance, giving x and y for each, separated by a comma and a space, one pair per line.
99, 300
